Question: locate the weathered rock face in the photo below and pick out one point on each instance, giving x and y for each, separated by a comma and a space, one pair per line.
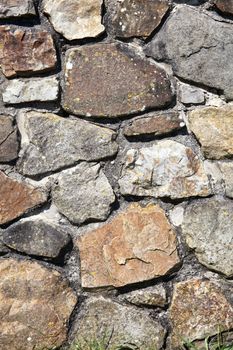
75, 20
138, 244
112, 81
124, 327
84, 194
191, 95
166, 169
54, 142
227, 173
130, 18
198, 47
35, 305
151, 296
198, 310
224, 5
207, 228
26, 51
8, 139
16, 198
36, 237
16, 8
213, 128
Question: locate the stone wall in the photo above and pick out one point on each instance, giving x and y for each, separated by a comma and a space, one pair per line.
116, 173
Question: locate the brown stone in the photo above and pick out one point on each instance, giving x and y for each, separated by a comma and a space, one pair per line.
225, 6
16, 8
112, 81
35, 306
25, 50
8, 140
17, 198
139, 244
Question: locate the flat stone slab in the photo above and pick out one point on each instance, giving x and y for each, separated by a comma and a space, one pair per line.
8, 139
16, 8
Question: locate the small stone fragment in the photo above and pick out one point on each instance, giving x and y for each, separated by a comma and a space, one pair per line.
16, 198
53, 142
207, 228
75, 19
166, 169
30, 90
191, 95
84, 194
8, 140
35, 306
227, 173
151, 296
128, 18
226, 6
16, 8
137, 245
112, 80
213, 127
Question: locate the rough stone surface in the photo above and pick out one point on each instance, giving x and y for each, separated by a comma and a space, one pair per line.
199, 309
227, 173
16, 8
124, 327
26, 51
151, 296
191, 95
30, 90
84, 194
166, 169
75, 19
207, 228
8, 139
198, 47
138, 18
213, 128
154, 124
54, 142
225, 6
16, 198
113, 80
139, 244
35, 305
36, 237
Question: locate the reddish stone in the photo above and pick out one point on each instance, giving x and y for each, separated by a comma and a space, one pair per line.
225, 6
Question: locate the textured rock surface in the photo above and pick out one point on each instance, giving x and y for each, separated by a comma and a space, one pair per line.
198, 47
29, 90
75, 20
224, 5
166, 169
16, 198
151, 296
130, 18
35, 304
130, 328
227, 173
26, 51
84, 194
137, 245
8, 139
213, 128
198, 310
112, 81
36, 237
191, 95
16, 8
207, 228
54, 142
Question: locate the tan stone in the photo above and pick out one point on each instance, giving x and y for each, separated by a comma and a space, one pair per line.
35, 306
17, 198
139, 244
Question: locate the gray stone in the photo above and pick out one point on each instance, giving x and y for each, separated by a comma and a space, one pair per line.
151, 296
53, 142
198, 47
16, 8
8, 139
191, 95
207, 228
227, 173
83, 194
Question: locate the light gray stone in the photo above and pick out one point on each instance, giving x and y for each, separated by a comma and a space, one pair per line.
227, 173
151, 296
16, 8
191, 95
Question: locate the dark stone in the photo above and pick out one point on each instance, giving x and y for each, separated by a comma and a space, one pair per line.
8, 140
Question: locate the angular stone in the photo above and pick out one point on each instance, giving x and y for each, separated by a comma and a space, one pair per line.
83, 194
113, 80
227, 173
166, 169
121, 327
26, 51
75, 20
198, 47
35, 306
16, 198
191, 95
137, 245
154, 124
207, 228
128, 18
30, 90
213, 127
199, 309
151, 296
36, 237
16, 8
225, 6
53, 142
8, 139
